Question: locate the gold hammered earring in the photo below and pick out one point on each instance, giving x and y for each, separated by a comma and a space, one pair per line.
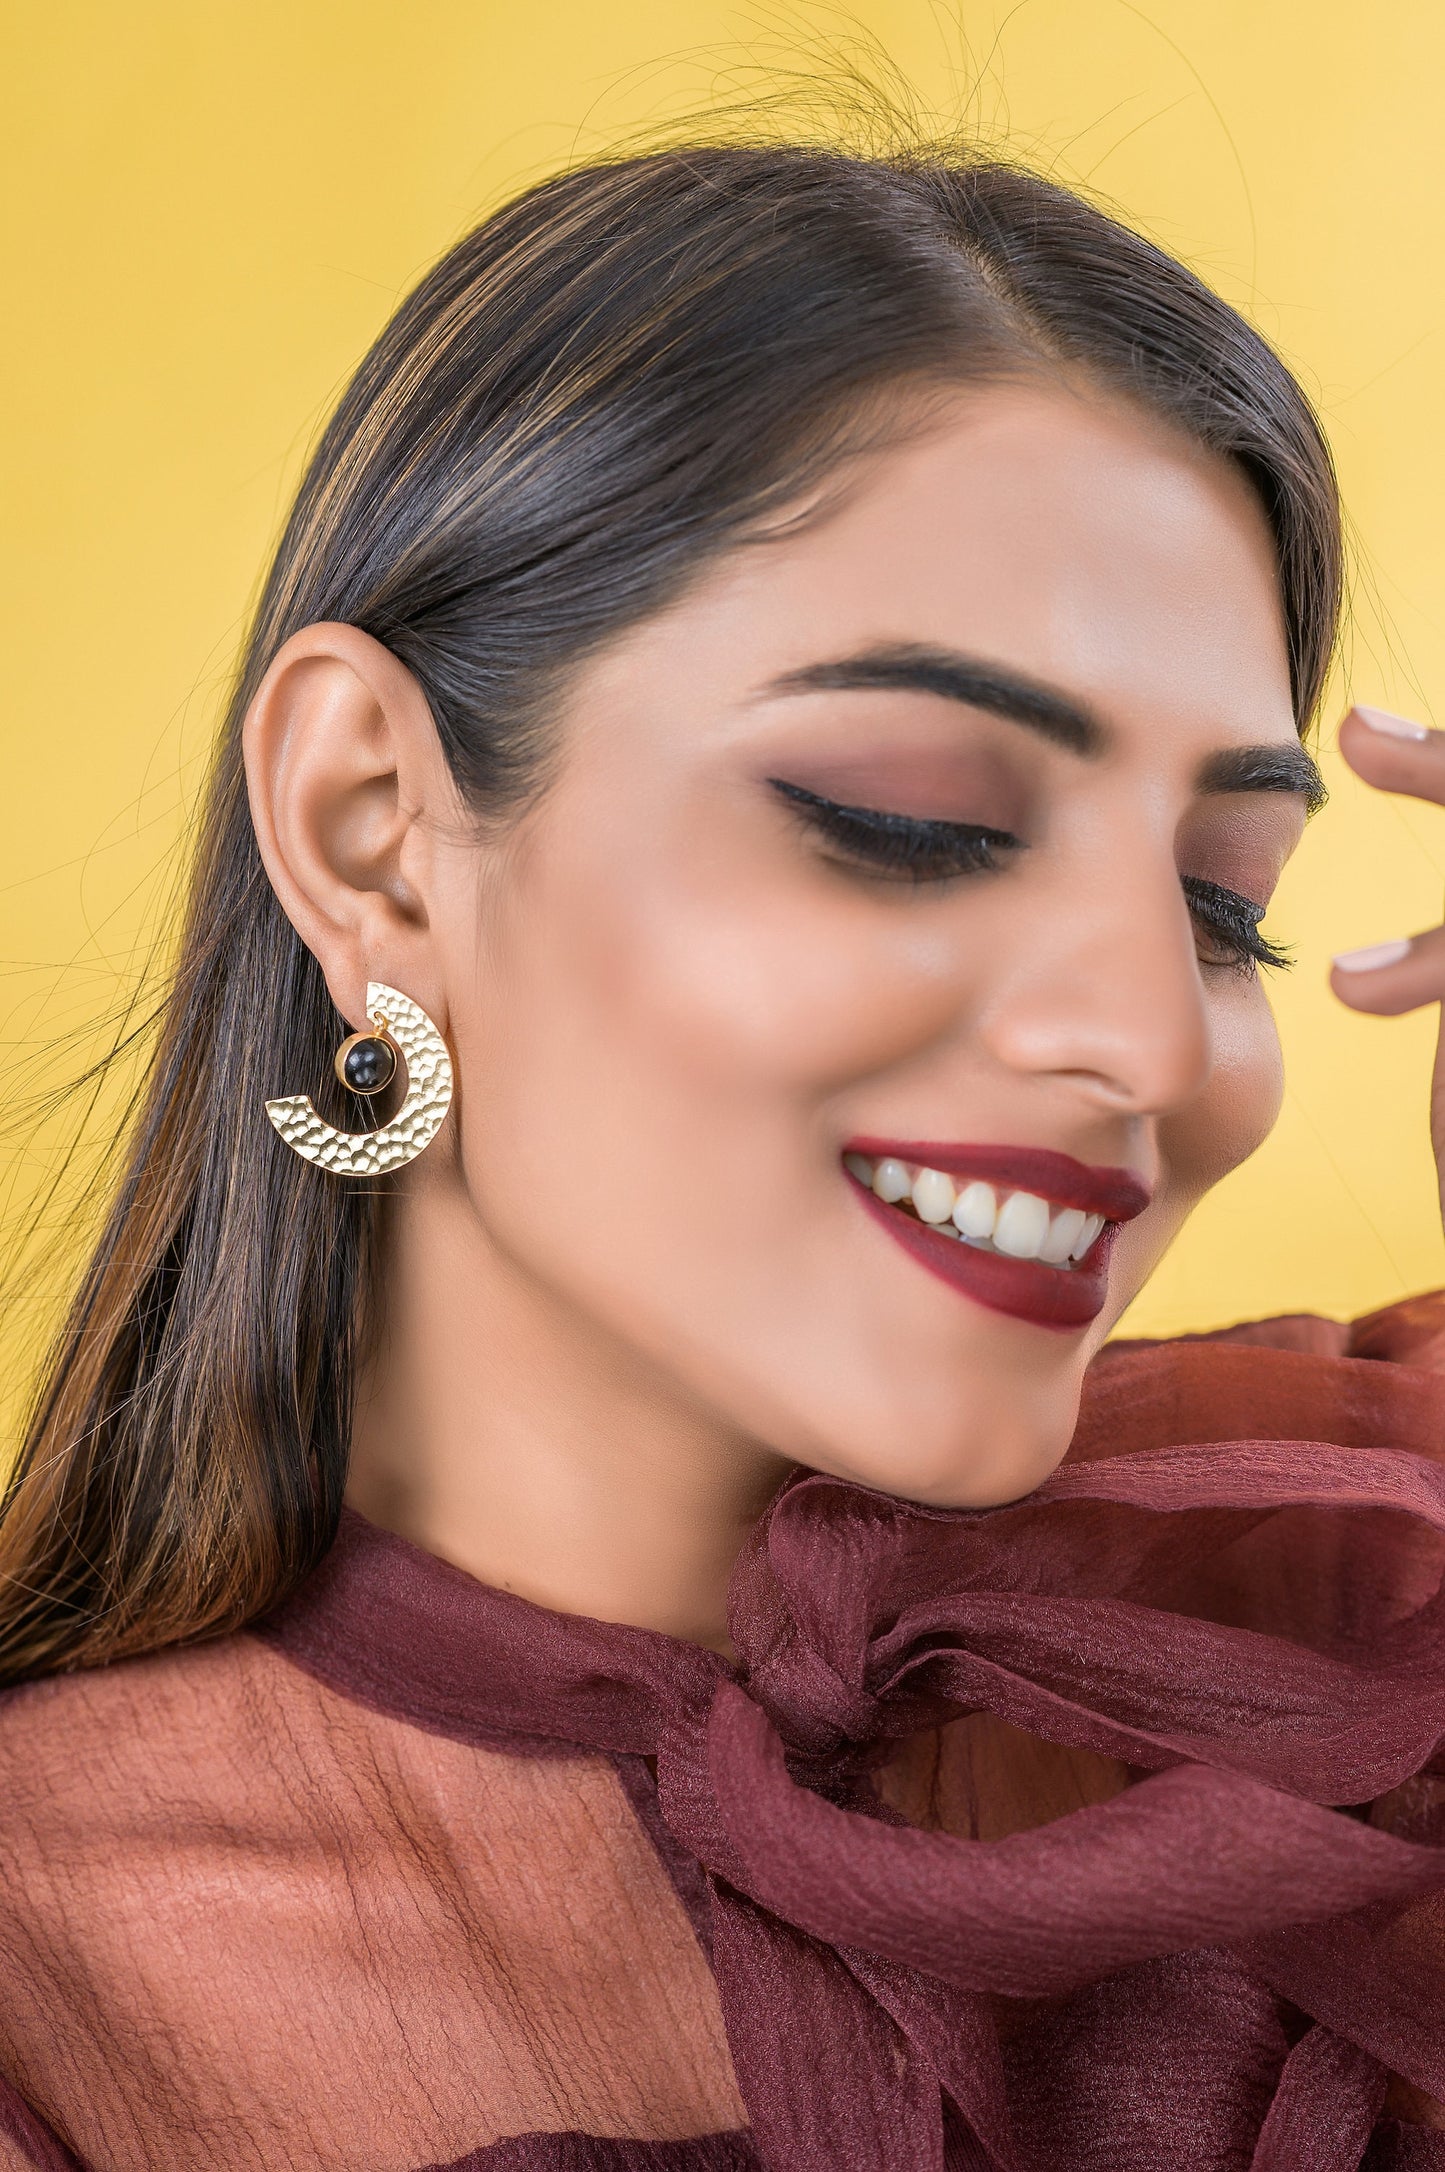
366, 1062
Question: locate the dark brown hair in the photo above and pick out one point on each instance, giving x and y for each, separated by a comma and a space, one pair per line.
609, 382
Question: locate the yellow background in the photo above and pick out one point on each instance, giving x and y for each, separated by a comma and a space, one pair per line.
212, 208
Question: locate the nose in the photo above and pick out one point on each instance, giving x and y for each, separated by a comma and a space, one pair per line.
1106, 992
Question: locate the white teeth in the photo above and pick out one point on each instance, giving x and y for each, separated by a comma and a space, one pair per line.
933, 1195
891, 1181
1093, 1223
1022, 1225
1063, 1234
975, 1209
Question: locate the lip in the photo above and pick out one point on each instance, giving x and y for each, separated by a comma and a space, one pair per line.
1025, 1289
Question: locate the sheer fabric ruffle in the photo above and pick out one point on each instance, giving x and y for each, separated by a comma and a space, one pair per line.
1104, 1830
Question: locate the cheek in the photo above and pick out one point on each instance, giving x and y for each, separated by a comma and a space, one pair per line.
719, 985
648, 1086
1221, 1127
1237, 1111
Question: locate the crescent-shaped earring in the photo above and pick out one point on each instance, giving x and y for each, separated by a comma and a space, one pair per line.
366, 1062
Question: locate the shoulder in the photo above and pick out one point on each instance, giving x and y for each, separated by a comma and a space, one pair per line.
1408, 1331
129, 1797
124, 1795
231, 1896
1376, 1380
90, 1759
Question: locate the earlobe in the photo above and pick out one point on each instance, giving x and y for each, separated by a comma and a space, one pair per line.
341, 759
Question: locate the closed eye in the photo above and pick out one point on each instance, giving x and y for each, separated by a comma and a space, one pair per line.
907, 847
918, 849
1228, 925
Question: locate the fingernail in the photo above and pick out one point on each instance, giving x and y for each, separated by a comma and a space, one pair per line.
1373, 956
1390, 727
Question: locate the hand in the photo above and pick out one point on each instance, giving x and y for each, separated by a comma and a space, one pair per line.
1396, 755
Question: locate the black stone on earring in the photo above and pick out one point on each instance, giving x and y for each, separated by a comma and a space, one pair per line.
366, 1063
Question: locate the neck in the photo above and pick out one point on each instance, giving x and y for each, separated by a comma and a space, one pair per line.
500, 1431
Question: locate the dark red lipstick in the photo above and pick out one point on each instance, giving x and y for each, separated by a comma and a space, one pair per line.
1026, 1289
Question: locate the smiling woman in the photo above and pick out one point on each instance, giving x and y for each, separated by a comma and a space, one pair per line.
653, 1622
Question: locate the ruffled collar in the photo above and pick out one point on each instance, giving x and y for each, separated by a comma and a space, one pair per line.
1254, 1626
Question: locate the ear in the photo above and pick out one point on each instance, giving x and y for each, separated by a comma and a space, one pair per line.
348, 783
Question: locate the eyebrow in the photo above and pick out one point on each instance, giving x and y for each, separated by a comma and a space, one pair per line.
957, 678
1283, 768
1054, 716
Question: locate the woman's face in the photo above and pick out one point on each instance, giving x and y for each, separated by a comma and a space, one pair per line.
1036, 655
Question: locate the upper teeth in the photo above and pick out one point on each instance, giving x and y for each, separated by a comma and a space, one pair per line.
1019, 1223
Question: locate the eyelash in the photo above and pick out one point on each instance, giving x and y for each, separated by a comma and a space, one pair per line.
919, 850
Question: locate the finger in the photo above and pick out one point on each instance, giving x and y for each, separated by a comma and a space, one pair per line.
1394, 754
1388, 978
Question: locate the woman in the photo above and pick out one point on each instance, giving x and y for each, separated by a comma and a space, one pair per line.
768, 740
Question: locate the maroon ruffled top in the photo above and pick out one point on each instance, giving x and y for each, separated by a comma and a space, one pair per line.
1103, 1832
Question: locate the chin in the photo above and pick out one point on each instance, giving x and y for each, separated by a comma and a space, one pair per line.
998, 1453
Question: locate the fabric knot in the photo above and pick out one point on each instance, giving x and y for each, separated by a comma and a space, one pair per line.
1252, 1629
858, 1619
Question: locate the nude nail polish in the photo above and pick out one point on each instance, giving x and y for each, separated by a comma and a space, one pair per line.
1390, 726
1373, 956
